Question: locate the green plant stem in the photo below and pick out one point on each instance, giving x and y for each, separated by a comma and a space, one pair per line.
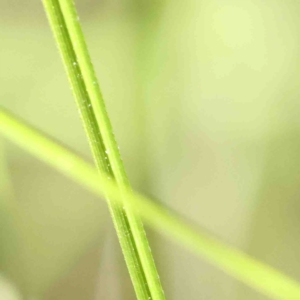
69, 38
234, 262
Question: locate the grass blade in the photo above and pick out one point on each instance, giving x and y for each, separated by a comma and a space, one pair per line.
69, 38
234, 262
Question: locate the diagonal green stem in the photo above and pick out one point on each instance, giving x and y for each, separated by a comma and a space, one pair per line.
234, 262
69, 38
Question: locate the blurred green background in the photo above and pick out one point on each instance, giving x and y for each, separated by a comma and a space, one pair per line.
204, 100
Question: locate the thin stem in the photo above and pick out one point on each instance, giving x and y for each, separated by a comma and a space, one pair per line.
88, 73
234, 262
65, 26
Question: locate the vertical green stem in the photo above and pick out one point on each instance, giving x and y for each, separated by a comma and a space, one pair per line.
65, 25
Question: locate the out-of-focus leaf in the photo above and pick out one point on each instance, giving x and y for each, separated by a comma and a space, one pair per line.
257, 275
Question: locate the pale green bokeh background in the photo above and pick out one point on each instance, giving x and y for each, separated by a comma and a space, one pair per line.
204, 100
